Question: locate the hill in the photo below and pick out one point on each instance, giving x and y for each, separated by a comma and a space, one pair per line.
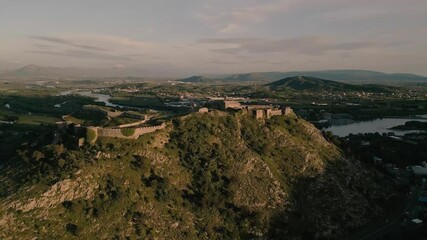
301, 83
206, 176
196, 79
255, 77
360, 76
35, 71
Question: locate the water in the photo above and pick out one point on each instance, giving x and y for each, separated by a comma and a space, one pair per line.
100, 98
378, 125
105, 98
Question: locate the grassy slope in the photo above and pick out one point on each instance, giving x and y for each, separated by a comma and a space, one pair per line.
207, 176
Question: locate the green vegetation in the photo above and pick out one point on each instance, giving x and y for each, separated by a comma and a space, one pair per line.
206, 176
127, 131
146, 101
317, 84
412, 125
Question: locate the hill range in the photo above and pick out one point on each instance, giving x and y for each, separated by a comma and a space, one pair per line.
360, 76
356, 76
301, 83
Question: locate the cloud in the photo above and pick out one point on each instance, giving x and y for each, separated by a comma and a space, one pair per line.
119, 41
307, 45
236, 19
83, 54
42, 45
231, 28
259, 12
69, 43
222, 62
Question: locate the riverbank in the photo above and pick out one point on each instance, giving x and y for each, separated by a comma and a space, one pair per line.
381, 125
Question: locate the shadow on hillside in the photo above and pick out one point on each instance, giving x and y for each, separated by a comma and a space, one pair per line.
336, 204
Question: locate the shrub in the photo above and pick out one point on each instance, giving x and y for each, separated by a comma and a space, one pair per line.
127, 131
72, 228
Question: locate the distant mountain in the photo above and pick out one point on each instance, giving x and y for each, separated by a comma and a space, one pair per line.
34, 71
195, 79
6, 65
317, 84
255, 77
362, 76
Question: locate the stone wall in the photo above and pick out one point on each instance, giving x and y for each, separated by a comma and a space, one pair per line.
144, 130
232, 104
203, 110
258, 113
117, 132
132, 124
266, 112
288, 111
273, 112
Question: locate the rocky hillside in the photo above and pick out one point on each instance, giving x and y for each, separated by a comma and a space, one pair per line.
206, 176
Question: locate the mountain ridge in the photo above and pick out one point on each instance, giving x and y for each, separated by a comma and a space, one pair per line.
344, 75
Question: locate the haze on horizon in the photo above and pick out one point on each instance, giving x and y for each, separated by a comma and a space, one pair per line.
216, 36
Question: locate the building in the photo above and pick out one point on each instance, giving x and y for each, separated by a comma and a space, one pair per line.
232, 104
258, 113
203, 110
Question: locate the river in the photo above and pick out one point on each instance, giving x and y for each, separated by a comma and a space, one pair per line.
104, 98
380, 125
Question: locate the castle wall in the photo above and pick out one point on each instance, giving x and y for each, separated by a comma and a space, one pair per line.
265, 112
274, 112
111, 132
144, 130
132, 124
117, 132
288, 111
232, 104
258, 113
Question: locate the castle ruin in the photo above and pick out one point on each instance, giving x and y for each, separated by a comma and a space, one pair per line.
258, 111
116, 132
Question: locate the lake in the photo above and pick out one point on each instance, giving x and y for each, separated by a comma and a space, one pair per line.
378, 125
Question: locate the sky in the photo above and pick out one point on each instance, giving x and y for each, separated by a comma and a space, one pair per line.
186, 37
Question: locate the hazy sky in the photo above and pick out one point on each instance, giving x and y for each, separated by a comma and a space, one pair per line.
216, 36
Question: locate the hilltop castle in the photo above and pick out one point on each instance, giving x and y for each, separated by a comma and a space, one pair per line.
258, 111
